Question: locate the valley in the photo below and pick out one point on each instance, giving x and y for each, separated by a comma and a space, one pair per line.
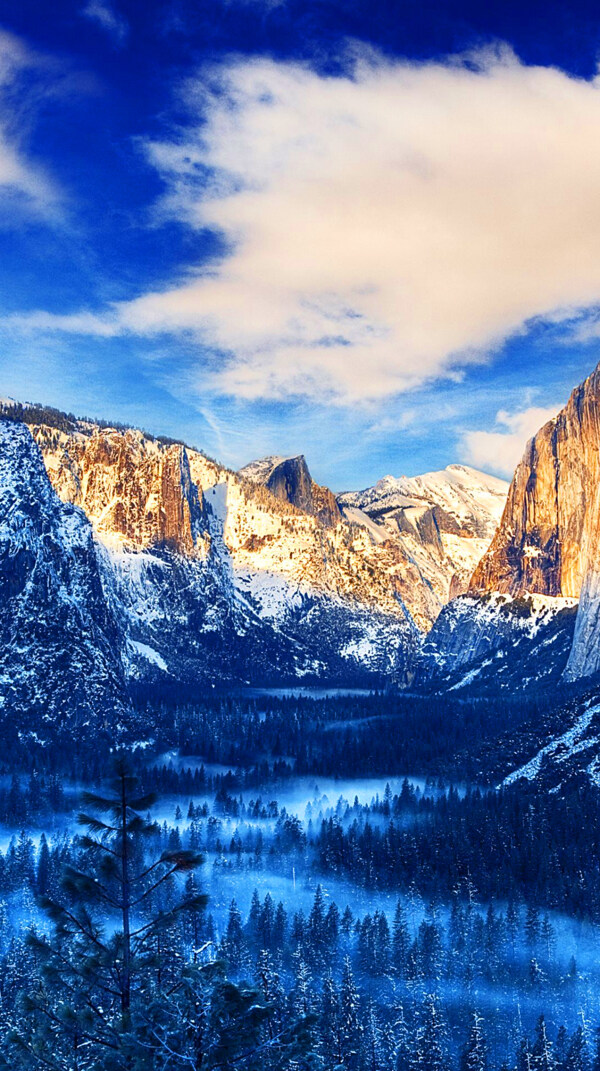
364, 726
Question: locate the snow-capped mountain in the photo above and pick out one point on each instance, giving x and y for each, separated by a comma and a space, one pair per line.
203, 574
207, 575
443, 521
532, 613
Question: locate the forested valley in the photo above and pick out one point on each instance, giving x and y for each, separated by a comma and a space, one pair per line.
304, 883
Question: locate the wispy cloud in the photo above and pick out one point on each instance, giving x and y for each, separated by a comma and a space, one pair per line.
25, 187
109, 20
501, 449
384, 228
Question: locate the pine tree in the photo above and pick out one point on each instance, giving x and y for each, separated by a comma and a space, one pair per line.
372, 1049
269, 984
542, 1058
350, 1018
474, 1057
233, 945
403, 1044
400, 941
431, 1039
331, 1044
116, 997
42, 878
577, 1054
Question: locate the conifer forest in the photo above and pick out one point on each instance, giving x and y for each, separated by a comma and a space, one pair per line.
253, 890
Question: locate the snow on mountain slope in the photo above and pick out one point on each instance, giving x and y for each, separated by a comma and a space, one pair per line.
472, 498
493, 642
259, 471
443, 521
140, 494
59, 640
572, 753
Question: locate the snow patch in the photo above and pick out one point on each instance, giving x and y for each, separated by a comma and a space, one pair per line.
149, 654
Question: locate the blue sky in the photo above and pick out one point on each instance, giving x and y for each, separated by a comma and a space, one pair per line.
367, 232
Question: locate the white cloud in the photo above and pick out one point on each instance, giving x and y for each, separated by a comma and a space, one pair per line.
106, 17
501, 450
383, 228
23, 184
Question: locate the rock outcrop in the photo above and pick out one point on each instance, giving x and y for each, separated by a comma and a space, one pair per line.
289, 480
213, 576
492, 642
551, 520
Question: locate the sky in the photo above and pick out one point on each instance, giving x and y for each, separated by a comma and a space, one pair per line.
368, 232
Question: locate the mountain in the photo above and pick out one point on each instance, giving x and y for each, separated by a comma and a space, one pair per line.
489, 643
288, 479
442, 521
211, 576
60, 657
531, 616
549, 539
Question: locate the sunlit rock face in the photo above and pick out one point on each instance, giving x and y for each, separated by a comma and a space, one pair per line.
548, 534
136, 491
549, 539
213, 576
261, 574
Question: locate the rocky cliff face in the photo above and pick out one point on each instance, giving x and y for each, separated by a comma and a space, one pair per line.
494, 642
548, 540
137, 492
257, 575
60, 651
551, 519
289, 480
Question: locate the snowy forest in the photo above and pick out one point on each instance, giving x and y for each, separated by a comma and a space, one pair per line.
254, 883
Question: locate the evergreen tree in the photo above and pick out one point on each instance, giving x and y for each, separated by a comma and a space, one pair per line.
120, 992
350, 1018
576, 1058
400, 940
542, 1058
403, 1044
431, 1040
330, 1027
474, 1057
372, 1042
233, 945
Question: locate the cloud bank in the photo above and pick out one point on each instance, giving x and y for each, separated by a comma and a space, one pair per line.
383, 228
